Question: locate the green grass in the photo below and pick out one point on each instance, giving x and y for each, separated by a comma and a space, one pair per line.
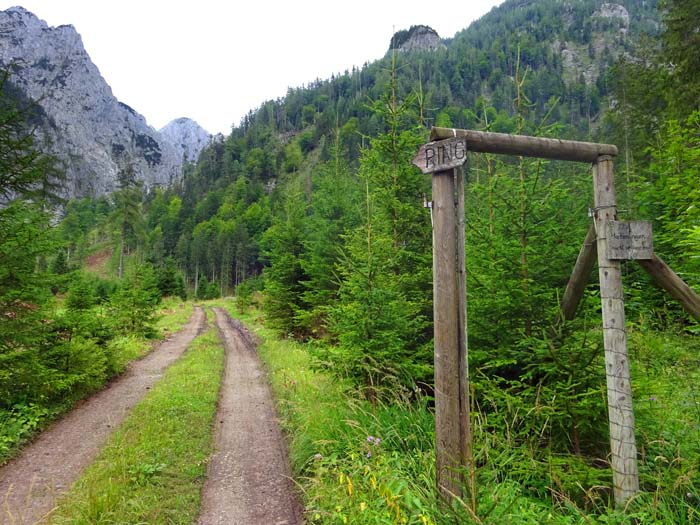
153, 467
173, 314
25, 420
346, 479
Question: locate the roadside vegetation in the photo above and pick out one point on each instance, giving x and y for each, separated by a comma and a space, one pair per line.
153, 467
82, 366
311, 214
360, 462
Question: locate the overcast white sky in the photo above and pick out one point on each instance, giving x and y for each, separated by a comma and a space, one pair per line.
214, 60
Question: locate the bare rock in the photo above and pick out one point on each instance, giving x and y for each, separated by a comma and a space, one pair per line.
417, 38
92, 134
187, 137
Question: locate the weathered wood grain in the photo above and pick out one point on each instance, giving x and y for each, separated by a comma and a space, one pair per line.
629, 240
617, 366
486, 142
666, 278
441, 155
579, 276
447, 340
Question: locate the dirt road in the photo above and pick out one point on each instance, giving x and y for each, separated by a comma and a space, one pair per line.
248, 479
30, 485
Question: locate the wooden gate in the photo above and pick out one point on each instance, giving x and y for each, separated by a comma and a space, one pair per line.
610, 239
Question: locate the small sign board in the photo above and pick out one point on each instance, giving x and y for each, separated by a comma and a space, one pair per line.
441, 155
629, 240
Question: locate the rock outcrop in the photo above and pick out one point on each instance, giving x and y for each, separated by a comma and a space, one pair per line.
187, 137
417, 38
93, 135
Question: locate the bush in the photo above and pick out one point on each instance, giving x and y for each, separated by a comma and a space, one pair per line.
132, 307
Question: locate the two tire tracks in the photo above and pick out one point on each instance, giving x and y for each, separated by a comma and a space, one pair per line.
248, 481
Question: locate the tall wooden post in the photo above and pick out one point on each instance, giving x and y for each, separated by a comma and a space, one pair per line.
451, 390
617, 365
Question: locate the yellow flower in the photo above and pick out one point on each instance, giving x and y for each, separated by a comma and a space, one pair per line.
363, 506
349, 486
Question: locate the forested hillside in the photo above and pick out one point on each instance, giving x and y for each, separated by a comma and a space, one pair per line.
311, 210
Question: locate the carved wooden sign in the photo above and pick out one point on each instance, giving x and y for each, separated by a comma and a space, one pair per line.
441, 155
629, 240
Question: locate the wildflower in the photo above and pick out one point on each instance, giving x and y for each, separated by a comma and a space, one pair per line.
318, 457
363, 506
370, 439
652, 398
369, 454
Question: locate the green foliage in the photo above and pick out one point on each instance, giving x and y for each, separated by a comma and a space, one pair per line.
153, 468
24, 171
169, 281
332, 214
24, 237
127, 216
315, 193
671, 195
132, 308
284, 275
360, 463
207, 290
681, 39
82, 294
383, 305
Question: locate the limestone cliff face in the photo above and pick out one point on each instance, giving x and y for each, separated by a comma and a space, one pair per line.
609, 25
187, 137
417, 38
93, 134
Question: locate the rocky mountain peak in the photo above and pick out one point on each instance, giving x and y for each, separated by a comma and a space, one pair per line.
187, 137
93, 135
417, 38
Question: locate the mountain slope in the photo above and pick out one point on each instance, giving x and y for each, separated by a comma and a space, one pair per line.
93, 134
188, 137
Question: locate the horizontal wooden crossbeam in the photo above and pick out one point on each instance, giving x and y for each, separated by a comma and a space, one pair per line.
501, 143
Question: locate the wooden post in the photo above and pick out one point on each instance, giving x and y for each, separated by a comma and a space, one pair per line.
467, 458
451, 407
617, 366
667, 279
579, 276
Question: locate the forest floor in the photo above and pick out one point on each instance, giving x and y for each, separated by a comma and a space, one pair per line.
31, 484
248, 479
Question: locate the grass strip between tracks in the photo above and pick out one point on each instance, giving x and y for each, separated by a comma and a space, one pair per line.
153, 467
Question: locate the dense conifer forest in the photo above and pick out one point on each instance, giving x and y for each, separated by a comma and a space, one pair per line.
311, 211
